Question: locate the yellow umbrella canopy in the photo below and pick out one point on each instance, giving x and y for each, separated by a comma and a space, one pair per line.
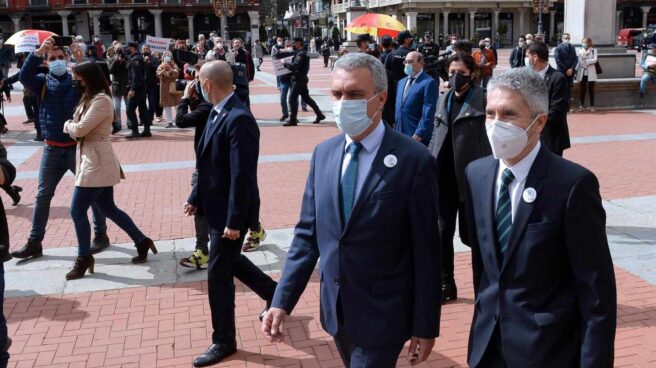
376, 25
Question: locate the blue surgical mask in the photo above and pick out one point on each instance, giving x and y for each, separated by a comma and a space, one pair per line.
167, 59
57, 67
351, 116
408, 70
205, 97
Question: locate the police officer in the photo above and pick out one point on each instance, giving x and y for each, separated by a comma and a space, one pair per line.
137, 93
431, 52
243, 71
300, 68
394, 67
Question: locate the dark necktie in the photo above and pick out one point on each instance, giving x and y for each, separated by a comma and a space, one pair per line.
504, 212
407, 88
349, 180
208, 127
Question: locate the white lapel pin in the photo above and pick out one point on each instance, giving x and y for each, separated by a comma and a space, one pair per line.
390, 161
529, 195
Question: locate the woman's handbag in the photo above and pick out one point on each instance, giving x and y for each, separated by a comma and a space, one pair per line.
598, 66
173, 89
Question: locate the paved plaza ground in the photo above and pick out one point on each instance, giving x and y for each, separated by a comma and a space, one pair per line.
157, 314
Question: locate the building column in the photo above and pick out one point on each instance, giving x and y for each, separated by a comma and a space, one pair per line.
190, 21
16, 18
552, 23
157, 14
522, 29
472, 23
127, 23
645, 15
411, 21
436, 31
618, 21
495, 23
445, 25
95, 18
64, 16
224, 26
255, 29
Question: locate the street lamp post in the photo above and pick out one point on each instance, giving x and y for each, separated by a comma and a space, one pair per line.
540, 18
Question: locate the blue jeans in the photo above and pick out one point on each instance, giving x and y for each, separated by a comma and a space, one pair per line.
284, 91
117, 110
55, 161
103, 198
643, 82
4, 354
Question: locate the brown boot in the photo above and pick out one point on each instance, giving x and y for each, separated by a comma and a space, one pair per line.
80, 267
142, 250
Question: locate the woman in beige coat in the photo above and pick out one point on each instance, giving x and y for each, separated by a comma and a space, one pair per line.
168, 73
586, 74
97, 167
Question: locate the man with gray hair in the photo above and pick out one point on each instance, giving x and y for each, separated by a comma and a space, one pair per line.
542, 271
369, 212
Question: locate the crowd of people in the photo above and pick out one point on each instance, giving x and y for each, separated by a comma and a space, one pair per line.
382, 200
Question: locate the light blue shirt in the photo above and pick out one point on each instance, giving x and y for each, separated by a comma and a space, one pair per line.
516, 187
370, 146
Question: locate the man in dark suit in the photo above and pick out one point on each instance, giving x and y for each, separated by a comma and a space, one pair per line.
416, 100
542, 272
370, 213
300, 67
227, 193
518, 54
394, 68
566, 61
556, 132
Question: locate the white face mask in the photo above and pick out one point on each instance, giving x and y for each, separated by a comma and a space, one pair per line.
507, 140
352, 117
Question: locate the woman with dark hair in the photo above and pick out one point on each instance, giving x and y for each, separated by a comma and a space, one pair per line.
98, 169
459, 137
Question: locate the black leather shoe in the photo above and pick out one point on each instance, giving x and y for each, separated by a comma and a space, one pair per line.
284, 117
99, 243
265, 310
133, 136
214, 354
319, 119
449, 291
116, 130
15, 194
30, 250
146, 134
292, 122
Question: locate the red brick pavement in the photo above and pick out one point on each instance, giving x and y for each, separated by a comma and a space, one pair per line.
167, 326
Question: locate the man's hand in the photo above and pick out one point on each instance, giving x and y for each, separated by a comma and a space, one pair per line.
272, 325
46, 46
569, 72
419, 349
417, 138
190, 90
189, 209
147, 59
230, 234
131, 94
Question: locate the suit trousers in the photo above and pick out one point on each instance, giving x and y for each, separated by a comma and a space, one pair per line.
226, 262
138, 101
300, 88
493, 357
354, 356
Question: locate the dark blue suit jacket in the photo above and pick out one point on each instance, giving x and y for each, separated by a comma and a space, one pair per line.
415, 115
554, 296
227, 191
384, 264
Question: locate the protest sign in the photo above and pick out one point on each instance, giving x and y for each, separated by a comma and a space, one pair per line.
26, 43
158, 44
278, 67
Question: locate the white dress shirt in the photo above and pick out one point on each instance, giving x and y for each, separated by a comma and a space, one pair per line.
222, 104
370, 146
516, 187
543, 72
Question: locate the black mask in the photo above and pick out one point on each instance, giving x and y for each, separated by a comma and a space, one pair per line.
482, 47
459, 81
77, 85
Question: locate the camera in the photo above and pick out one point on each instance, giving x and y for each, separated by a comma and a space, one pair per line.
181, 84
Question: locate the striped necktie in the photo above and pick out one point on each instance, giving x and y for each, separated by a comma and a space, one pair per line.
349, 180
408, 85
504, 212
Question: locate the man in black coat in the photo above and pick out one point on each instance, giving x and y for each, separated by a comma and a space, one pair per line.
567, 60
543, 278
137, 93
300, 67
556, 133
244, 71
394, 67
227, 194
7, 176
518, 54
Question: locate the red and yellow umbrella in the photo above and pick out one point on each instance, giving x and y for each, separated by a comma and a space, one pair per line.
43, 35
376, 25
